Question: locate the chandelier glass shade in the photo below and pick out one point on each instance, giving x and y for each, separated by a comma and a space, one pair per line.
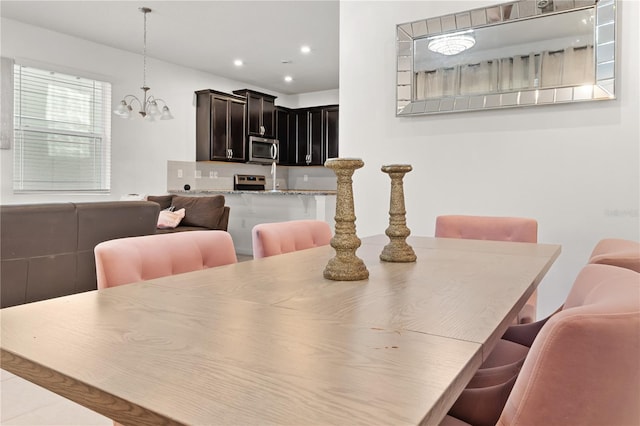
452, 44
147, 104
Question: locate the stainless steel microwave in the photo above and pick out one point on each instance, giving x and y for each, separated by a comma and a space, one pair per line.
263, 150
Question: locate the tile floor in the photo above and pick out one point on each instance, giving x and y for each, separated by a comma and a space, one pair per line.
23, 403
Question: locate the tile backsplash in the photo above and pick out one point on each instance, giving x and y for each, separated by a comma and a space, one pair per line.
218, 175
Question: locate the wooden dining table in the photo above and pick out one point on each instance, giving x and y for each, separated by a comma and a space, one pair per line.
270, 341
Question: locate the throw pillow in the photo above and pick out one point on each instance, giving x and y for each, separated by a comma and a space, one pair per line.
200, 211
170, 219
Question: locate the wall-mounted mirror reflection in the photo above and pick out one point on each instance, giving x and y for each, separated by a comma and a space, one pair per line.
514, 54
555, 52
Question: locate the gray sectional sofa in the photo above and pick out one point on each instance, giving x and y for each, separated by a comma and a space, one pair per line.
46, 250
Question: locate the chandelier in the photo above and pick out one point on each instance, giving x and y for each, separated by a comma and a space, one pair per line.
149, 109
452, 44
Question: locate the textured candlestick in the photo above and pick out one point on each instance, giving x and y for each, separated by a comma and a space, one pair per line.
345, 266
397, 250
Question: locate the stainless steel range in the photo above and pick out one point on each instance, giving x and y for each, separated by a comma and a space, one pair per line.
249, 182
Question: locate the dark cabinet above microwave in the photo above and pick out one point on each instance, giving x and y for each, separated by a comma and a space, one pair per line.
261, 113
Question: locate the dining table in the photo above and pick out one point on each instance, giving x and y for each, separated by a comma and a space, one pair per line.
272, 342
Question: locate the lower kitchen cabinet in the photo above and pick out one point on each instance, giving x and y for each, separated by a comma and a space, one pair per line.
220, 126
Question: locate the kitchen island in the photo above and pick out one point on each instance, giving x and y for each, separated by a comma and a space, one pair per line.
249, 208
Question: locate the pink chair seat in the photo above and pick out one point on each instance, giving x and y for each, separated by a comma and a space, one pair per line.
128, 260
270, 239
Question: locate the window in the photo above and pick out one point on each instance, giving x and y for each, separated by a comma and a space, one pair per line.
62, 132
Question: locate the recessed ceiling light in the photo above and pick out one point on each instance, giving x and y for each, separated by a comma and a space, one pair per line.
305, 49
238, 62
288, 78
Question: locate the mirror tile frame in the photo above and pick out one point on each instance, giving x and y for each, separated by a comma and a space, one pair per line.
605, 58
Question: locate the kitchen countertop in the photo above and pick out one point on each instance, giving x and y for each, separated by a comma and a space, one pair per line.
266, 192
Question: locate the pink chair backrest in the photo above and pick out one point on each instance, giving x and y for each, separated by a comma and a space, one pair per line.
270, 239
495, 228
584, 366
517, 229
129, 260
617, 252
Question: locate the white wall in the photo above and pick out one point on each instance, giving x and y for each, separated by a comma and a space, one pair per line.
325, 97
575, 168
140, 150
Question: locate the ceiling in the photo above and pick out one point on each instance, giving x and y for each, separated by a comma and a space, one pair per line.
209, 35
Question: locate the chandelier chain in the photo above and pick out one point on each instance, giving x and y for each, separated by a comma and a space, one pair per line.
144, 51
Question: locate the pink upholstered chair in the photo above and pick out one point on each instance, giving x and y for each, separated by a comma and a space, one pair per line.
582, 368
512, 349
270, 239
516, 229
617, 252
129, 260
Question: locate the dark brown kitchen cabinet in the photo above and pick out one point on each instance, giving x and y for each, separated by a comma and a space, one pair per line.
331, 124
220, 126
316, 135
285, 128
261, 113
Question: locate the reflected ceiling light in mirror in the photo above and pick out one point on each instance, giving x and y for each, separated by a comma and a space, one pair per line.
452, 44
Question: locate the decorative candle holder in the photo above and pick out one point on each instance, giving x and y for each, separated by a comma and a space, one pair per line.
345, 266
397, 250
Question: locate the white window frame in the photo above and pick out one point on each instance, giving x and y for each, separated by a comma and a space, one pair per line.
72, 142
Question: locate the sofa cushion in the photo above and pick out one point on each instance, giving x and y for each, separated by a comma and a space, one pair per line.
31, 230
181, 228
107, 220
200, 211
163, 200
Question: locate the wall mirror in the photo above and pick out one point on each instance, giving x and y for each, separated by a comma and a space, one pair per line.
523, 53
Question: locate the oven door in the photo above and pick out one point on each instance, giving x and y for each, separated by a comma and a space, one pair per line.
263, 150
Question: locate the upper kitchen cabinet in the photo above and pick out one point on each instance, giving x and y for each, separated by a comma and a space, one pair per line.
316, 135
332, 124
285, 133
261, 113
220, 126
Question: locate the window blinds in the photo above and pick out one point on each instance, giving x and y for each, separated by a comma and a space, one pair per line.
62, 132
